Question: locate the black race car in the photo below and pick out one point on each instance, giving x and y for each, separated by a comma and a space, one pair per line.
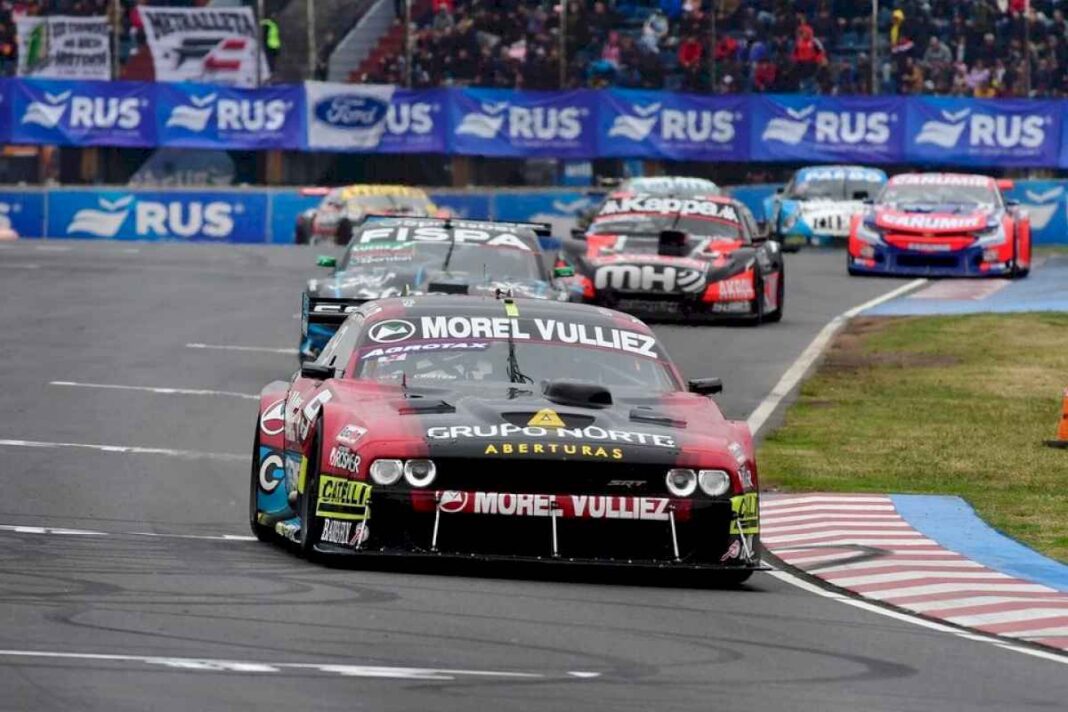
498, 428
677, 258
392, 257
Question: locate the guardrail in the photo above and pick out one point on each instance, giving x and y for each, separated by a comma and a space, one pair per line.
265, 215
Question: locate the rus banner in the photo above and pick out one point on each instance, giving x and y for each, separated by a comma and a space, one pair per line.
975, 132
652, 124
374, 118
499, 122
828, 129
202, 116
205, 44
69, 113
62, 47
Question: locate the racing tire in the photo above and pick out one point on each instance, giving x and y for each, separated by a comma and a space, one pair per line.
758, 301
1017, 272
343, 233
310, 528
780, 293
733, 579
261, 532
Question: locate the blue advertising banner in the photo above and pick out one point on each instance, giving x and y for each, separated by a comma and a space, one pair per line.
1046, 203
7, 86
211, 216
285, 207
416, 122
71, 113
210, 116
23, 211
826, 129
974, 132
500, 122
653, 124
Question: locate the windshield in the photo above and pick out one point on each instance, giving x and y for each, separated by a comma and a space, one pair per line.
642, 224
837, 189
937, 194
389, 204
479, 260
488, 361
671, 186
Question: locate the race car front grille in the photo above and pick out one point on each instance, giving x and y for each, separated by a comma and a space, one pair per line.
556, 477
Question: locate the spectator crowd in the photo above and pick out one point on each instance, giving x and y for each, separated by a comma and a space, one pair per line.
980, 48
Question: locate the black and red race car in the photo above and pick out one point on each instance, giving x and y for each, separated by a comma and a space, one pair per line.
677, 258
941, 225
494, 428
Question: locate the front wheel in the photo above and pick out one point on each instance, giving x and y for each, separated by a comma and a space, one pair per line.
343, 233
310, 526
780, 293
261, 532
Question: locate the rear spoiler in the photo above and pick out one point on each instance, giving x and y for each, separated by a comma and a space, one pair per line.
538, 228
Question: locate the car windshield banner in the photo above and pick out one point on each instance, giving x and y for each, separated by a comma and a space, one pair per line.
205, 44
211, 216
72, 113
809, 128
500, 122
652, 124
211, 116
972, 132
62, 47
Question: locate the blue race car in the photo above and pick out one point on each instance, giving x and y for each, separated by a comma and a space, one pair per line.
817, 203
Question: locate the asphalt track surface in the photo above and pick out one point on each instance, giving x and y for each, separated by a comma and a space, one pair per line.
185, 623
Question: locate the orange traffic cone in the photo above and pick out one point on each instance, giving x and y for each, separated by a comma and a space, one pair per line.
1062, 429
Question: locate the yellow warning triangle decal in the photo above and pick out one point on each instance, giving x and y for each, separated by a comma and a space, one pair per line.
546, 418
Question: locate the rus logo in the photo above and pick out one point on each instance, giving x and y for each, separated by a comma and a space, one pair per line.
537, 123
829, 127
155, 219
999, 131
86, 112
251, 115
689, 125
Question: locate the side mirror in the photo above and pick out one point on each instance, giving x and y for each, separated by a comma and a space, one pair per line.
563, 271
577, 233
326, 261
315, 371
860, 195
1005, 184
705, 386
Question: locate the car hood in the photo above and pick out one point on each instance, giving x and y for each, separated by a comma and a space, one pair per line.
389, 281
940, 219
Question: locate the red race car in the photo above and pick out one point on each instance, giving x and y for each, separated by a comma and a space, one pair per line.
941, 225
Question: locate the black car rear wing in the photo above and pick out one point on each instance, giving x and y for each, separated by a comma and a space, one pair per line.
538, 228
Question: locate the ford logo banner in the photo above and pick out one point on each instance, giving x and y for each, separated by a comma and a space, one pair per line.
351, 111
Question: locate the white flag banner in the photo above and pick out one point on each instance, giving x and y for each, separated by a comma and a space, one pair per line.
62, 47
346, 116
205, 44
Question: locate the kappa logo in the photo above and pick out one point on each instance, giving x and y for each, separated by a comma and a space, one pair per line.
155, 219
251, 115
538, 123
830, 127
452, 502
984, 130
391, 330
1042, 206
86, 112
690, 125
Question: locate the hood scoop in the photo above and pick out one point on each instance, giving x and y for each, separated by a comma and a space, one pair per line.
577, 393
643, 415
421, 406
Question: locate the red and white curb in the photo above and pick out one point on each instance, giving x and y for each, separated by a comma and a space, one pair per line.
861, 544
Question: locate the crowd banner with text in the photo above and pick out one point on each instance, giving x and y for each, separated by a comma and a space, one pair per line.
220, 45
64, 47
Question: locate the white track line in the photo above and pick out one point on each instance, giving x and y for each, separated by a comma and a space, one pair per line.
162, 391
62, 531
132, 450
797, 370
229, 347
343, 669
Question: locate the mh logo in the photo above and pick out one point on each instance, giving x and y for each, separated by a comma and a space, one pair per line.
999, 131
250, 115
86, 112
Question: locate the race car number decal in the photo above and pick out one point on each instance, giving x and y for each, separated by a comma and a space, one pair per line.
746, 514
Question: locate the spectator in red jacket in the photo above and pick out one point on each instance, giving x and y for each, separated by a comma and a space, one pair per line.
690, 51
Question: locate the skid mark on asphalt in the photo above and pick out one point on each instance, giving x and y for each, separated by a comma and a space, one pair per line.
341, 669
131, 450
230, 347
161, 391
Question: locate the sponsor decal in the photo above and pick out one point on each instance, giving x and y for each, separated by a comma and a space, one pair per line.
269, 468
576, 506
437, 233
746, 512
538, 123
927, 221
391, 330
983, 130
153, 216
341, 458
344, 533
340, 498
733, 551
436, 346
690, 208
351, 434
334, 308
739, 287
852, 174
552, 330
828, 127
629, 484
523, 448
311, 411
659, 278
589, 433
546, 418
273, 420
929, 247
746, 477
682, 125
347, 116
941, 179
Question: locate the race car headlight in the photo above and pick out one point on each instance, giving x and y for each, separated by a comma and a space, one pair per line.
420, 473
868, 234
386, 472
992, 236
713, 482
681, 482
